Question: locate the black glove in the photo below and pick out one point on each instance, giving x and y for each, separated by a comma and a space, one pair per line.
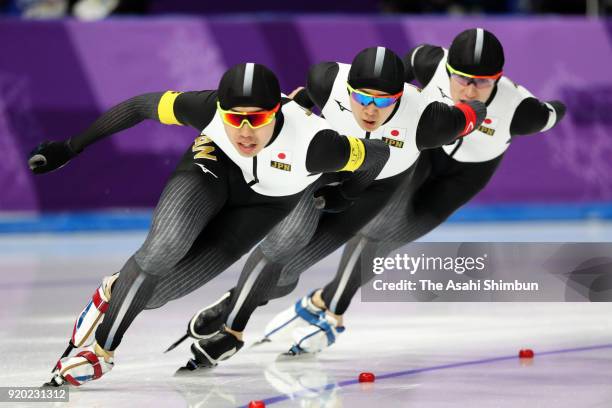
480, 110
303, 99
331, 199
560, 108
49, 156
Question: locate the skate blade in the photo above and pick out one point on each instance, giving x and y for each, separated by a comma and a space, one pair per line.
54, 383
199, 372
68, 350
260, 342
176, 343
194, 370
288, 356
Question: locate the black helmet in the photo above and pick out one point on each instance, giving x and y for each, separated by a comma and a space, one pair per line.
249, 84
377, 68
476, 52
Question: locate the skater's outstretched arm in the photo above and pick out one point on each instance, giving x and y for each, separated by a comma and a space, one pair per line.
533, 116
189, 108
440, 124
420, 64
319, 85
331, 152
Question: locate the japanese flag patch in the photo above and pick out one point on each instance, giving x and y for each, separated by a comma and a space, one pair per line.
488, 125
281, 159
394, 137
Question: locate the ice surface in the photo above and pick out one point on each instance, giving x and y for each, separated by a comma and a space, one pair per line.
424, 354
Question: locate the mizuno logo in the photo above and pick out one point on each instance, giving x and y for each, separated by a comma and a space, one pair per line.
205, 170
342, 108
443, 94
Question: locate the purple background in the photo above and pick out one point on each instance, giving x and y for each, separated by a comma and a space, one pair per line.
57, 77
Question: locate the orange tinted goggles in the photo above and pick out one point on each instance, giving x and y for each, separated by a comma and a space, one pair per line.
254, 120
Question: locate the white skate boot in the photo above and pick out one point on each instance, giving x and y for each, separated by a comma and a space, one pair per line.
309, 327
89, 364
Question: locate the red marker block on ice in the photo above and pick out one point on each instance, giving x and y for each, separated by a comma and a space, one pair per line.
257, 404
526, 353
366, 378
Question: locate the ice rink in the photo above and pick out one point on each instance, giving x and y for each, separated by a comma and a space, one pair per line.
423, 354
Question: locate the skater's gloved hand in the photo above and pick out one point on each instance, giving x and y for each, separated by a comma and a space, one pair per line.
49, 156
300, 96
332, 199
475, 113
